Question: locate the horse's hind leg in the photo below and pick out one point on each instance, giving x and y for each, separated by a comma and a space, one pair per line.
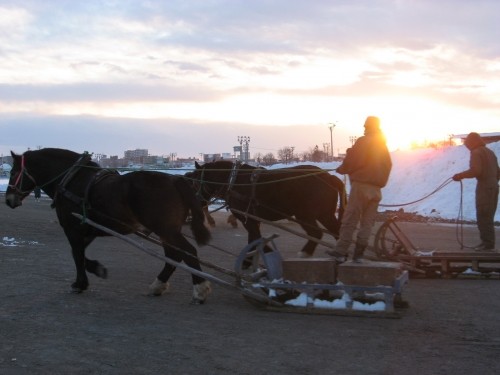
201, 287
312, 230
331, 223
160, 284
179, 249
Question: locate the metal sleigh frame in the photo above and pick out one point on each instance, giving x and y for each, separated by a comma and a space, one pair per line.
393, 245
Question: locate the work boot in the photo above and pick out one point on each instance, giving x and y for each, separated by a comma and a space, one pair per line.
484, 247
339, 257
359, 250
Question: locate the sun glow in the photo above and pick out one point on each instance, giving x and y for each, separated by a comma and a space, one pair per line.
407, 122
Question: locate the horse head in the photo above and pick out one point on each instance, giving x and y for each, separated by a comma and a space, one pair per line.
44, 168
213, 179
21, 182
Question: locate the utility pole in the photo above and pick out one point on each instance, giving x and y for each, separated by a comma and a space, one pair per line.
331, 126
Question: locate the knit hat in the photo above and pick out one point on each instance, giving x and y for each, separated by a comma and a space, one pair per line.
473, 140
372, 124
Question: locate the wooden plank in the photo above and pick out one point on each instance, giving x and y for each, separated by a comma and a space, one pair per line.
369, 273
311, 270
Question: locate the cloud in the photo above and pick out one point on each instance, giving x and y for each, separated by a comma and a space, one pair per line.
162, 136
104, 92
224, 62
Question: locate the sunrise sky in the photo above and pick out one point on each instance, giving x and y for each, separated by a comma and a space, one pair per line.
189, 77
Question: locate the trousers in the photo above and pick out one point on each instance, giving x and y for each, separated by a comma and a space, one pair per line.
361, 209
486, 206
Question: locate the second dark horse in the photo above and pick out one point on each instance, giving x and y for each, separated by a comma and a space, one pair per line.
306, 193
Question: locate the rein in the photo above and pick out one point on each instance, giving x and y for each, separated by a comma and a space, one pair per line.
449, 180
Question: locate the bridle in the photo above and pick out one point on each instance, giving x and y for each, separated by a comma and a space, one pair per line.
222, 192
19, 179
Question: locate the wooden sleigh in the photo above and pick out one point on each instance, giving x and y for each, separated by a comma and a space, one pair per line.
266, 284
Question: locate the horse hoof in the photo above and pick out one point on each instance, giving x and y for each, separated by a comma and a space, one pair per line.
75, 289
157, 288
196, 301
303, 254
201, 292
101, 272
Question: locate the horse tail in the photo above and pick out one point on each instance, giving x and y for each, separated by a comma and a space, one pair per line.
201, 233
342, 200
340, 187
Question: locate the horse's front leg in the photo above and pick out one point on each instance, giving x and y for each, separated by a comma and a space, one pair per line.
78, 246
82, 282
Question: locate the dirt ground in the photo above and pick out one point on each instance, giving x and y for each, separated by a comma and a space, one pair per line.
451, 326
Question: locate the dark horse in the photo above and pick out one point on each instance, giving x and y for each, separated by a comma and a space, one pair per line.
143, 201
307, 193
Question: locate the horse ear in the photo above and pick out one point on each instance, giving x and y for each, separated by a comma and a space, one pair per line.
13, 154
196, 165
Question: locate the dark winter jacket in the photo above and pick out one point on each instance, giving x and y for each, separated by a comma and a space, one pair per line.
368, 161
483, 163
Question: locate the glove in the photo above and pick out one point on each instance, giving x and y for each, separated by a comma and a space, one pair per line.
457, 177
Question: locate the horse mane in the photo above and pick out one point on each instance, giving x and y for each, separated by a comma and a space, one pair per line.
59, 153
228, 163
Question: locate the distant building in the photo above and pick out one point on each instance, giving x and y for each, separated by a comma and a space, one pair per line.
5, 169
137, 153
140, 159
139, 156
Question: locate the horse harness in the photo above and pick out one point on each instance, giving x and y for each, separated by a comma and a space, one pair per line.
96, 178
231, 193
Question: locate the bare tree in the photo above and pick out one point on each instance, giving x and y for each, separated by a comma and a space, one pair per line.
258, 157
285, 154
315, 155
268, 159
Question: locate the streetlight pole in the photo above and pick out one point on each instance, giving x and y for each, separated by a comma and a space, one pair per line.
331, 126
